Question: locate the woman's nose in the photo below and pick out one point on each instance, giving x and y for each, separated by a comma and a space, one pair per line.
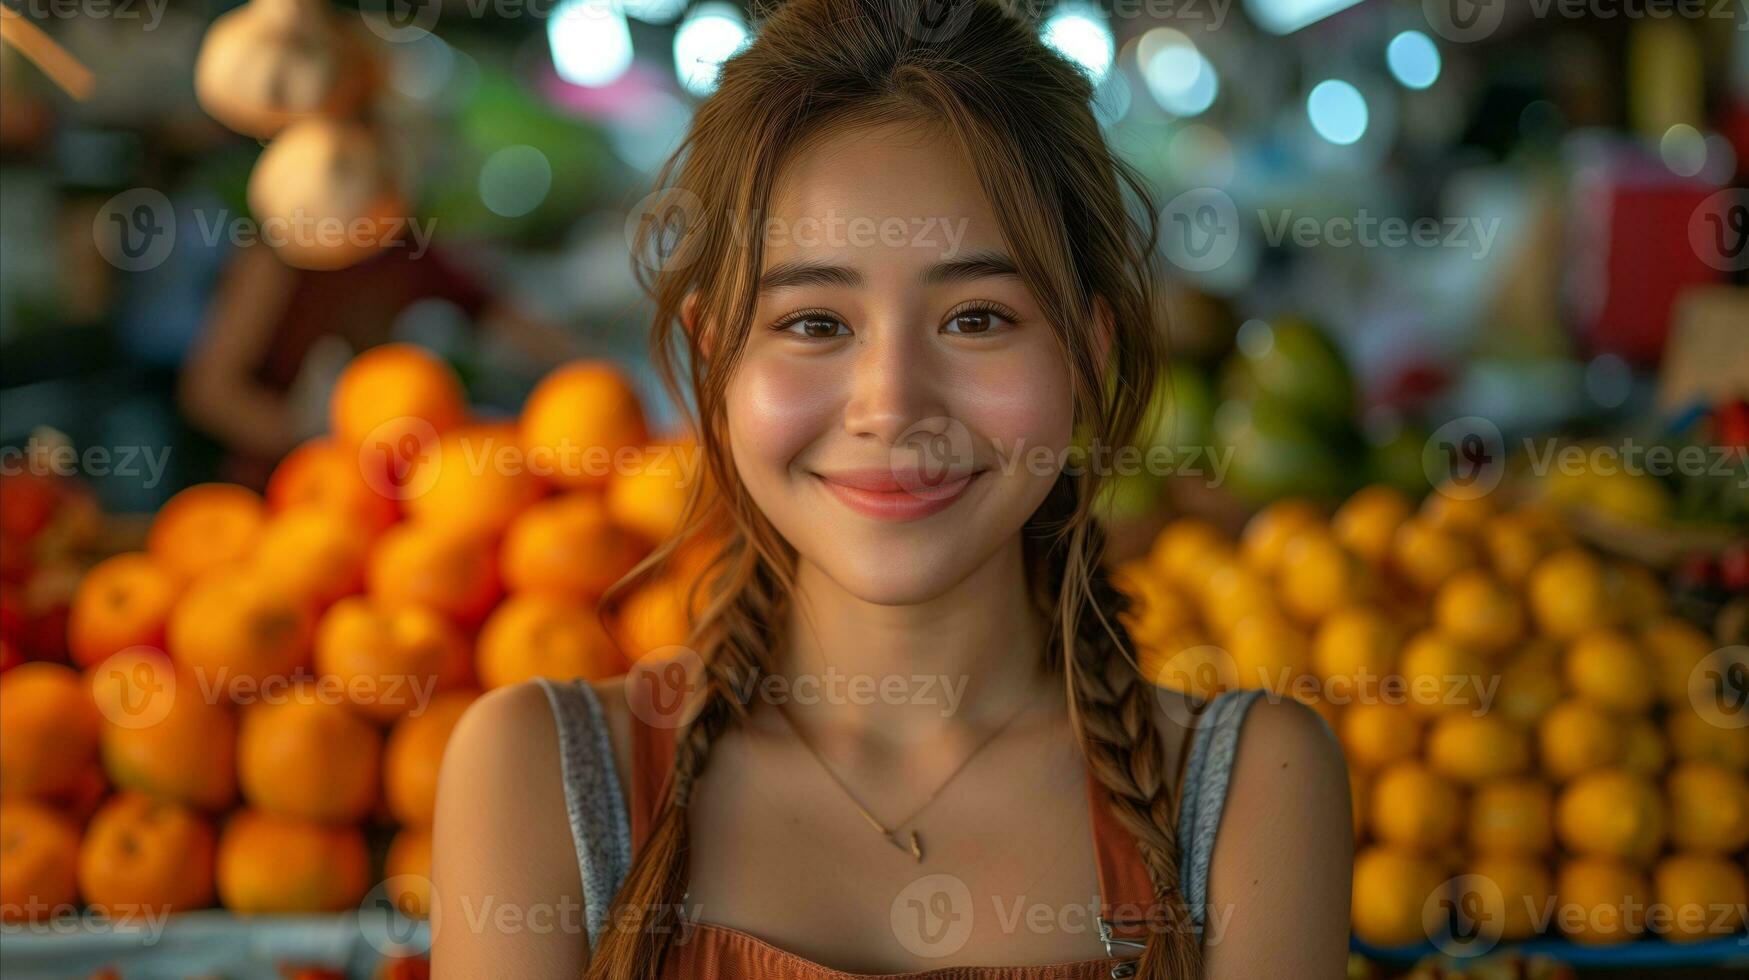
894, 385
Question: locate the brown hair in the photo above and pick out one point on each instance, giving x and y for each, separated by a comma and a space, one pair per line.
1022, 114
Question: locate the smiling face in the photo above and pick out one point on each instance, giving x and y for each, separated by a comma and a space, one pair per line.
894, 366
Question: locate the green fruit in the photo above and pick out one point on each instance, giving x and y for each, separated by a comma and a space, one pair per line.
1275, 453
1182, 407
1300, 369
1128, 496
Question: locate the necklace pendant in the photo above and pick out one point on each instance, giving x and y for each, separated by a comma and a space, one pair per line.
912, 846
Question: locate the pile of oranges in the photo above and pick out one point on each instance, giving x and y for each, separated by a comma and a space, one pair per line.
1536, 745
275, 674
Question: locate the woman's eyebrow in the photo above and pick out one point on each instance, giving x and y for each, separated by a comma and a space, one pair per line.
981, 264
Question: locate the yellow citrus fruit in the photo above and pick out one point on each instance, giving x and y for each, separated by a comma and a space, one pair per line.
1514, 544
1476, 609
1577, 737
1318, 576
1356, 645
1427, 555
1377, 733
1265, 538
1392, 886
1604, 666
1530, 684
1185, 550
1367, 522
1524, 888
1676, 647
1233, 592
1693, 738
1602, 900
1514, 816
1709, 808
1414, 807
1472, 748
1443, 675
1191, 665
1268, 652
1702, 895
1569, 593
1643, 750
1158, 609
1612, 813
1454, 511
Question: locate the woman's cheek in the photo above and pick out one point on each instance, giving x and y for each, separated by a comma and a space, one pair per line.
778, 407
1020, 406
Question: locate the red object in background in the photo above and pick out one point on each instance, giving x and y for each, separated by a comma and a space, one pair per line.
9, 656
1734, 567
1734, 124
1732, 419
1631, 257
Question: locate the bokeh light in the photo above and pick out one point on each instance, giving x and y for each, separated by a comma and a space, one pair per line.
1413, 59
1079, 33
590, 41
709, 36
1338, 111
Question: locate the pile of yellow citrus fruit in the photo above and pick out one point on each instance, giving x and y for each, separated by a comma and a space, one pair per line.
1533, 739
274, 674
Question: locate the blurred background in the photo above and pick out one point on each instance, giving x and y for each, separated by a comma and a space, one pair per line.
1494, 249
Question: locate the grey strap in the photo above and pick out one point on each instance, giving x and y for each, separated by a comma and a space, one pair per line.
599, 827
1212, 747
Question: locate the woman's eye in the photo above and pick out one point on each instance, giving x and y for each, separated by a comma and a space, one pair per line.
978, 321
815, 327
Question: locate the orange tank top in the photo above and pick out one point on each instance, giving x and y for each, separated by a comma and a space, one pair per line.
726, 953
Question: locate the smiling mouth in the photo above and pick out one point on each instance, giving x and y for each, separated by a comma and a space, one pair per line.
887, 500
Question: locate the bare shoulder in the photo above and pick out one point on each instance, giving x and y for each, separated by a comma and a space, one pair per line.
1280, 876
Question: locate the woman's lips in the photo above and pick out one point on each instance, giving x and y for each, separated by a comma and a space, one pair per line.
896, 500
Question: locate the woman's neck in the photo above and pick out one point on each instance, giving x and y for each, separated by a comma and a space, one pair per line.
902, 675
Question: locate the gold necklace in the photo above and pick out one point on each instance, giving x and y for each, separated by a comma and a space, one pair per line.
910, 845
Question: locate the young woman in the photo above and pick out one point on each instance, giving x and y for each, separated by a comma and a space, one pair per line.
910, 287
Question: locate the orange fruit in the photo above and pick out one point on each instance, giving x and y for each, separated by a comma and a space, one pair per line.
1377, 733
1356, 645
144, 858
1512, 816
1676, 647
655, 616
206, 526
1643, 750
327, 476
1694, 738
309, 757
408, 871
1602, 900
1709, 808
582, 424
413, 754
1190, 665
1569, 593
1524, 885
1514, 544
1453, 509
1264, 540
1604, 667
1427, 555
1475, 609
1611, 813
1234, 592
475, 478
163, 734
1577, 737
1391, 887
1414, 807
1157, 608
1443, 675
650, 498
1318, 576
568, 546
1470, 749
536, 635
434, 564
390, 659
390, 392
269, 863
1187, 551
48, 730
1268, 652
1702, 895
1530, 684
122, 601
1368, 521
234, 630
39, 861
312, 554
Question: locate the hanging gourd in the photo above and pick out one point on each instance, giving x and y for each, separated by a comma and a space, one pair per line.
272, 62
325, 196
